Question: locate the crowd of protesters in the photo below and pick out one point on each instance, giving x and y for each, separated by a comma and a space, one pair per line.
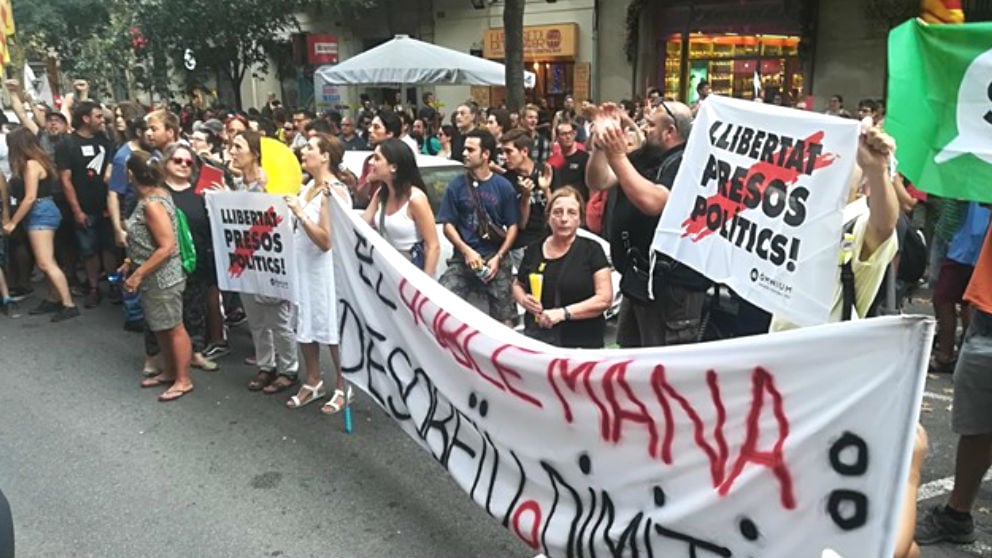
93, 193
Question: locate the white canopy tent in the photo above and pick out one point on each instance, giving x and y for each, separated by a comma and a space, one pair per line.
411, 62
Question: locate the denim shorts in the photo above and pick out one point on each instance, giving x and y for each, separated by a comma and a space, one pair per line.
95, 238
44, 215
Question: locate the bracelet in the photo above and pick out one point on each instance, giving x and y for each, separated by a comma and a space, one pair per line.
568, 315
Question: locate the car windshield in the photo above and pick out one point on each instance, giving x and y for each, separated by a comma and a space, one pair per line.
437, 179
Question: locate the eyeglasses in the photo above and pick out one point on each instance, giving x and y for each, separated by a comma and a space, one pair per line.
182, 161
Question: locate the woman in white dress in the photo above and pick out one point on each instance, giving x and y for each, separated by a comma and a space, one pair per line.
317, 322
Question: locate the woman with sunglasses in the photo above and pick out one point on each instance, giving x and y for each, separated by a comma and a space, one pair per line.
316, 321
444, 137
399, 211
269, 319
178, 165
33, 183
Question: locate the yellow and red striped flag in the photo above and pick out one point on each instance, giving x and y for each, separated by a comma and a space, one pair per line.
7, 15
937, 11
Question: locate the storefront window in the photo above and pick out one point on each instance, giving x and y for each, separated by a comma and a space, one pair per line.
735, 65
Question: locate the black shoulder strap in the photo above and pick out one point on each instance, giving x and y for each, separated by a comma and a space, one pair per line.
382, 215
847, 281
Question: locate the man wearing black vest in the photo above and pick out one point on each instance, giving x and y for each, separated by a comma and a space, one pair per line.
663, 305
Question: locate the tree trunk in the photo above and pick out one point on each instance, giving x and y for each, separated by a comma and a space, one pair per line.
236, 76
513, 31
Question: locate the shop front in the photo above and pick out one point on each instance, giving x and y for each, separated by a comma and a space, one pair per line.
551, 52
742, 49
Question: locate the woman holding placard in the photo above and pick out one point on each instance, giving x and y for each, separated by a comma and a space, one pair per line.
316, 321
564, 281
269, 319
401, 213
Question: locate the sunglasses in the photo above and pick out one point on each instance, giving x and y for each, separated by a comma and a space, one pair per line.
661, 102
182, 161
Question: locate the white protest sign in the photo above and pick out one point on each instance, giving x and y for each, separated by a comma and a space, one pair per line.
776, 446
253, 243
757, 204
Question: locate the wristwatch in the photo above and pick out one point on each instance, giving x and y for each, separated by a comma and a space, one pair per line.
568, 315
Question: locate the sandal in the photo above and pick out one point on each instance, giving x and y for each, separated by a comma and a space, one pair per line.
316, 392
261, 380
281, 384
941, 366
172, 394
158, 380
332, 406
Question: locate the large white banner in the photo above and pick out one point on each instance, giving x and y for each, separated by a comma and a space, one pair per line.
757, 204
776, 446
253, 243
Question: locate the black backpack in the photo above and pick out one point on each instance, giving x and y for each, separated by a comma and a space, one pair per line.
912, 254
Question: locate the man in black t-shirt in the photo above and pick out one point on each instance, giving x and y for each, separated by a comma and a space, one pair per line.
570, 164
83, 161
640, 185
465, 121
533, 183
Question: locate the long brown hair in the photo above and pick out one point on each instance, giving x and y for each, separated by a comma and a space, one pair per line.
334, 149
23, 146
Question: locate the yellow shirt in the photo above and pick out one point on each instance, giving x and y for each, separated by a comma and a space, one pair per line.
868, 274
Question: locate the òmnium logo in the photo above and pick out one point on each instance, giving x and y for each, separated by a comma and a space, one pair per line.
776, 286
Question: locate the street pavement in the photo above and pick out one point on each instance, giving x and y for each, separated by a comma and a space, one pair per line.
94, 466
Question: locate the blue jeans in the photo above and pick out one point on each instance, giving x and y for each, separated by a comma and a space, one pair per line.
44, 215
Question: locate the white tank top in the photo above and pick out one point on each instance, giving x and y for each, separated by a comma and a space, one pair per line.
401, 230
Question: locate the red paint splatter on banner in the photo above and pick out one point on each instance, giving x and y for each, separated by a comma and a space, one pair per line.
243, 254
696, 225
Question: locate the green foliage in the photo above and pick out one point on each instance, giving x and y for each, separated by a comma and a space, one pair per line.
78, 27
92, 39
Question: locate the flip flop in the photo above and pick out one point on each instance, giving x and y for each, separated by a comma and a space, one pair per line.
156, 381
173, 394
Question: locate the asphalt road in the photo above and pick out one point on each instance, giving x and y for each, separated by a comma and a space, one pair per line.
94, 466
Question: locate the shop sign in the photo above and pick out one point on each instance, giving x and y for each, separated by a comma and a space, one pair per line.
322, 49
580, 81
540, 42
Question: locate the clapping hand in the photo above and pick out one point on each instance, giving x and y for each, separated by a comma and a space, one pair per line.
547, 174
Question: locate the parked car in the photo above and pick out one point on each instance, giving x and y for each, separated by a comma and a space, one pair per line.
437, 173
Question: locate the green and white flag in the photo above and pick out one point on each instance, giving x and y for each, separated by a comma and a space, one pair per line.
940, 107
